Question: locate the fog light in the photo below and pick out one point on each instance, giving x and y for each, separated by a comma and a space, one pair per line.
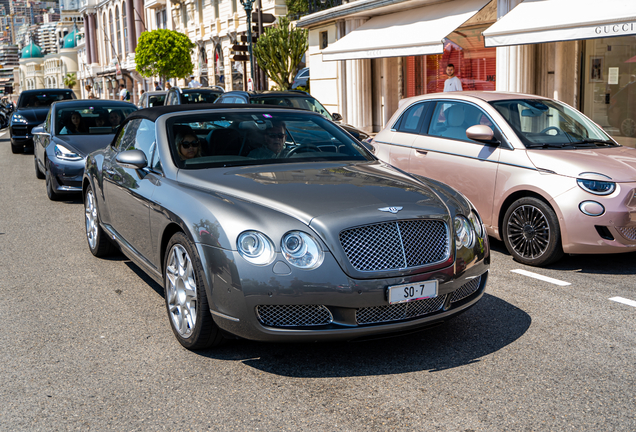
591, 208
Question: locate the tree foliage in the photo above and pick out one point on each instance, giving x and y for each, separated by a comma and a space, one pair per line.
296, 8
70, 80
280, 50
164, 53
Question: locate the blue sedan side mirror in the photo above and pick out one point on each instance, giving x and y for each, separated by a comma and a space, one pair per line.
135, 159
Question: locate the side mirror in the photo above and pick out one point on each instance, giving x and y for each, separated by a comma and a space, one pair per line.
135, 159
481, 133
336, 117
39, 130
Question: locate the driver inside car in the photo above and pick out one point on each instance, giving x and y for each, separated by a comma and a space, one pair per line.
274, 138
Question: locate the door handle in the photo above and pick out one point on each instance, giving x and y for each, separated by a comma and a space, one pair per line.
110, 171
422, 152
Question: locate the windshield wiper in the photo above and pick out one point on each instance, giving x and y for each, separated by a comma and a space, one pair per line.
546, 145
595, 142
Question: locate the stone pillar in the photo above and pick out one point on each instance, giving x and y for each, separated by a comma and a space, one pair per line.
515, 64
130, 23
358, 86
140, 20
89, 38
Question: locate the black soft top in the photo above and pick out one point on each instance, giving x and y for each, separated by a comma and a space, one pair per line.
70, 103
155, 112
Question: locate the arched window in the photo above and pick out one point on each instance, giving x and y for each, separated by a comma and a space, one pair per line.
123, 17
117, 21
112, 34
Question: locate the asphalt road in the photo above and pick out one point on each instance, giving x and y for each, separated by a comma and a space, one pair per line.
85, 344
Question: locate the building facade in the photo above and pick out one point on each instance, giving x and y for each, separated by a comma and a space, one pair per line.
375, 54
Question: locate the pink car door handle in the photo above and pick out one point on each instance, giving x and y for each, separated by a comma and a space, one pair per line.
422, 152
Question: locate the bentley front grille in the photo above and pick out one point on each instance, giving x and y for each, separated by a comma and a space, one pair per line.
399, 311
396, 245
466, 290
293, 315
628, 232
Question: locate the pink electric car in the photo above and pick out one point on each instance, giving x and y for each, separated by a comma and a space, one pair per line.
544, 178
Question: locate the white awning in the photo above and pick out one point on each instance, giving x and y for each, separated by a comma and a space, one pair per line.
412, 32
538, 21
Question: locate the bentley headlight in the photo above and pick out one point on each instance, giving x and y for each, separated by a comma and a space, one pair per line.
477, 225
17, 118
255, 247
464, 233
63, 153
301, 250
596, 187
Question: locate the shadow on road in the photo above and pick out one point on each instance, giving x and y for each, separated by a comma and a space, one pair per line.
486, 328
615, 264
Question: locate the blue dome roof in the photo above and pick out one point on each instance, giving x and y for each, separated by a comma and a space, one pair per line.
31, 51
69, 40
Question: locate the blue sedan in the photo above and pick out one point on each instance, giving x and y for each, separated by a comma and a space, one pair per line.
71, 131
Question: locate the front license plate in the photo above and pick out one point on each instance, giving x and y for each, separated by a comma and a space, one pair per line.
411, 292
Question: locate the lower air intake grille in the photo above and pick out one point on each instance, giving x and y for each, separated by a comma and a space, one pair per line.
466, 290
293, 315
396, 245
399, 311
627, 232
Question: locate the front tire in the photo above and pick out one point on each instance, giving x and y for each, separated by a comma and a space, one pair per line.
531, 232
38, 172
16, 148
50, 192
98, 242
186, 299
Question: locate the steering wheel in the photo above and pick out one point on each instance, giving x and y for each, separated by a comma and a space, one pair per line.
304, 148
549, 128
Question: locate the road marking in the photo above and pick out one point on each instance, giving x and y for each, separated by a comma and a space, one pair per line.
541, 277
624, 301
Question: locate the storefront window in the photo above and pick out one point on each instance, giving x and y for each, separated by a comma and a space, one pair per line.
475, 65
609, 86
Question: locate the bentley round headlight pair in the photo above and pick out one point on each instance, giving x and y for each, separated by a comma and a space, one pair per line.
299, 249
464, 232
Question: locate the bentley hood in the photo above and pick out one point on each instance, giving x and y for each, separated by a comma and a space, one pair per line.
316, 193
618, 163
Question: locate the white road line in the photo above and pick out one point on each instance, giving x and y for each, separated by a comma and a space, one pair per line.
624, 301
541, 277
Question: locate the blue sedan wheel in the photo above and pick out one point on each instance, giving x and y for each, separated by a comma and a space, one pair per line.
186, 300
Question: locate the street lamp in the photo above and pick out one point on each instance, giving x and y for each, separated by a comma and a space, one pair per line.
247, 5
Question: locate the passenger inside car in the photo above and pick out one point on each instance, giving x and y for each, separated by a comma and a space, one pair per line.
274, 142
188, 145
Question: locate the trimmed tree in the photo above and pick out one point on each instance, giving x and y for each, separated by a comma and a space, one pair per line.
280, 50
164, 53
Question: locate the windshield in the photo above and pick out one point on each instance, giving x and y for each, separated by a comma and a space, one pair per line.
193, 97
303, 102
90, 119
550, 124
248, 137
43, 100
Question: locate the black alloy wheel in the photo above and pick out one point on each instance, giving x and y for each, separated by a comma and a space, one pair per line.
531, 232
50, 192
38, 173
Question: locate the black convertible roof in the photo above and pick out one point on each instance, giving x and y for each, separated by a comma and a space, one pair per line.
154, 113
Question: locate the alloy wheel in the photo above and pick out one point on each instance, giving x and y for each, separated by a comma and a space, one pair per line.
181, 291
528, 231
90, 211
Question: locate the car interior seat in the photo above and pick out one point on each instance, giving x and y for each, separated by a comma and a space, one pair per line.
226, 142
455, 123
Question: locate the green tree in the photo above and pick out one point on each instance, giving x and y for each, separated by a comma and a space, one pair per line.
280, 50
164, 53
296, 8
70, 80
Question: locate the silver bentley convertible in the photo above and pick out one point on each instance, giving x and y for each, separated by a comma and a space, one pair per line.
275, 224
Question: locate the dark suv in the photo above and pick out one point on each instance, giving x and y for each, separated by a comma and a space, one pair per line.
291, 98
33, 106
183, 96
